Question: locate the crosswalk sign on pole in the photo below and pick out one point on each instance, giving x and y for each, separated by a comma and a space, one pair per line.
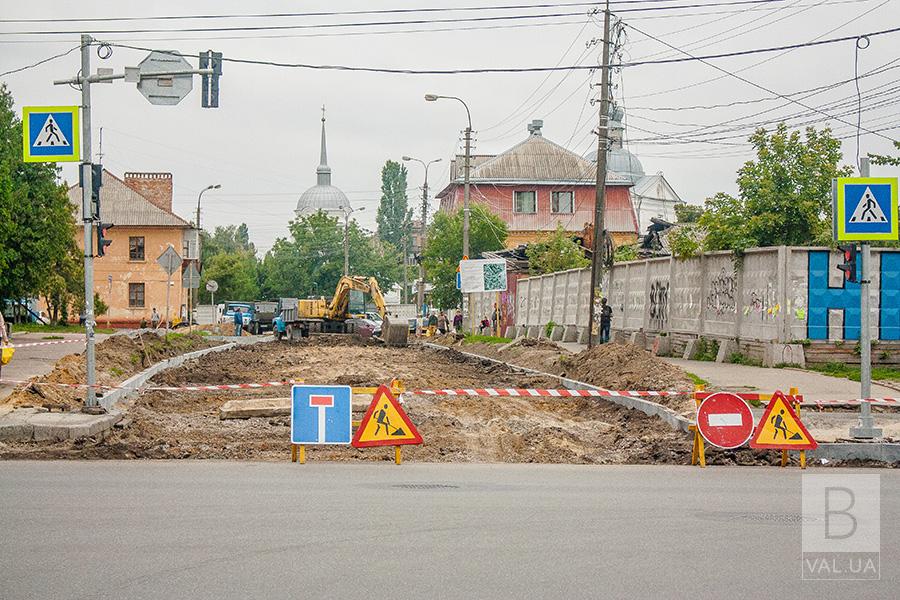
321, 414
781, 429
50, 134
385, 423
865, 209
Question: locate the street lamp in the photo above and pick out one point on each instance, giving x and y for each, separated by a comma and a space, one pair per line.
348, 210
420, 299
191, 290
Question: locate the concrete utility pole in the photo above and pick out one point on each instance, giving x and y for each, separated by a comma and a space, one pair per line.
191, 291
598, 241
347, 212
865, 428
420, 299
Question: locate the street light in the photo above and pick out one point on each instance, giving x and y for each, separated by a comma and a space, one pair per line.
191, 290
420, 299
348, 210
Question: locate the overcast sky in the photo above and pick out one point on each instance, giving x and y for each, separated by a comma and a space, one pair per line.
262, 144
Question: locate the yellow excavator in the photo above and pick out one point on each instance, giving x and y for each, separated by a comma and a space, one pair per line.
300, 317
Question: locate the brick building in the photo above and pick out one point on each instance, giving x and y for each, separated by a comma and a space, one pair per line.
536, 185
128, 278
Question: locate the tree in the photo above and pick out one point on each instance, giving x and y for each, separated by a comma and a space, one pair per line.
688, 213
37, 224
64, 288
394, 216
229, 258
885, 160
443, 248
559, 252
231, 238
311, 260
785, 193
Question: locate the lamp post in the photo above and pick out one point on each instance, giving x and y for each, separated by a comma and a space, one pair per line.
191, 290
420, 298
466, 170
348, 210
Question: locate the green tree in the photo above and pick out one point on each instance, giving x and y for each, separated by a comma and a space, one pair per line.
558, 252
64, 288
231, 238
394, 215
236, 274
688, 213
37, 225
885, 160
443, 249
785, 193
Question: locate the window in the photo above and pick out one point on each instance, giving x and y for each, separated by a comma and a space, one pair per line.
562, 202
136, 295
525, 202
136, 248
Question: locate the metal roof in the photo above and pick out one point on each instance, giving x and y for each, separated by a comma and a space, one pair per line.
123, 206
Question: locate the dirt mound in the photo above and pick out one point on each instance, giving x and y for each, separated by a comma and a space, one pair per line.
118, 358
535, 343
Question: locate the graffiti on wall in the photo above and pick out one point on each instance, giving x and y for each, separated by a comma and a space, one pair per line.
720, 298
659, 304
763, 304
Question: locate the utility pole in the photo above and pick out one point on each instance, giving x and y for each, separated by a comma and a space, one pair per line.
598, 241
346, 243
420, 299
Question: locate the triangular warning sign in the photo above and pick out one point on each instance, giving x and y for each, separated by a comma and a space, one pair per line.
51, 135
385, 423
868, 210
781, 429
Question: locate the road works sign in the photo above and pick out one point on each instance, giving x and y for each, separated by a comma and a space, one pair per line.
385, 423
865, 208
320, 414
725, 420
781, 429
50, 134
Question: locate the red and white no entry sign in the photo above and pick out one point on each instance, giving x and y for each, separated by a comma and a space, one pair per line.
725, 420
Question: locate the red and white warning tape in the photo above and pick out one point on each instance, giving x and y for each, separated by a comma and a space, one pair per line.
545, 392
162, 388
74, 341
854, 402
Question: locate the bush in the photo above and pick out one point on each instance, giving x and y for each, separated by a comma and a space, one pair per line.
548, 328
707, 350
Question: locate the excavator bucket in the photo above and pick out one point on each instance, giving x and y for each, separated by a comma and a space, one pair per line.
395, 334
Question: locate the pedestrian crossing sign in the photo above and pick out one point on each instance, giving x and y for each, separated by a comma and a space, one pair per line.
865, 209
50, 134
781, 429
385, 423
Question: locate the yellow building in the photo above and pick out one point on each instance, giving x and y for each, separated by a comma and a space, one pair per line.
128, 278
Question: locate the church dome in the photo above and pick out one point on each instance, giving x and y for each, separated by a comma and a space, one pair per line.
323, 196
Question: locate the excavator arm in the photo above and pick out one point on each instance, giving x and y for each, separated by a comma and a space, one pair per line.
338, 308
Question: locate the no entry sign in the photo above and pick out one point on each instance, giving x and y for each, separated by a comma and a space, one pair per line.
725, 420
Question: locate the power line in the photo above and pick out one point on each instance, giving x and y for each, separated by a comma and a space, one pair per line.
40, 62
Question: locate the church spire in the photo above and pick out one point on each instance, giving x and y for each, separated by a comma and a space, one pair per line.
323, 172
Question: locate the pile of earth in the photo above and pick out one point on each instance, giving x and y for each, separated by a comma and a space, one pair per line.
118, 358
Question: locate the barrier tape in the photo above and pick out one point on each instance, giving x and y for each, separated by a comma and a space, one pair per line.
854, 402
162, 388
75, 341
564, 393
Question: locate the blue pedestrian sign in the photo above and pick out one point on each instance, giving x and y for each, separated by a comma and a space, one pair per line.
865, 209
50, 134
321, 414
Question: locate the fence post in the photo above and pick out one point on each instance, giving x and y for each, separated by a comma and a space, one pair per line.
645, 322
704, 291
782, 315
738, 299
671, 302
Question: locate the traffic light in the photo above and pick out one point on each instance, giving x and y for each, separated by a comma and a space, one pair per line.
96, 184
210, 83
849, 264
102, 241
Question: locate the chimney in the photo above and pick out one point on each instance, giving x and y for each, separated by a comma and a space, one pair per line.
534, 128
155, 187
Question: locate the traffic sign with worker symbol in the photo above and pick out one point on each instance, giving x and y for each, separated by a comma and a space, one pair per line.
385, 423
725, 420
865, 208
50, 134
321, 414
781, 429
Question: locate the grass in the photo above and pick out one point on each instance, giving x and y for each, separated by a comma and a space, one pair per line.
707, 350
742, 359
38, 328
697, 380
52, 337
486, 339
852, 372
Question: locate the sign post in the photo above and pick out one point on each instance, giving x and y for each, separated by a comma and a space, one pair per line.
211, 286
170, 262
865, 209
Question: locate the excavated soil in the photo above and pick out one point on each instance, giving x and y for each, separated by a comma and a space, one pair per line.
455, 429
118, 358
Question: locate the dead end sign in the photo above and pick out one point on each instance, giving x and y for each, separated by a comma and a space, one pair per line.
725, 420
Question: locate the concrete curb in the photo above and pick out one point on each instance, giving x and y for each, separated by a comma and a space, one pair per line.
881, 452
673, 419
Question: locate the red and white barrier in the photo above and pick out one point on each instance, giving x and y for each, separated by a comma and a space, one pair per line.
53, 343
163, 388
533, 392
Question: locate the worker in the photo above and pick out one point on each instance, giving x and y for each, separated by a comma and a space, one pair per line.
432, 325
457, 322
238, 322
4, 335
485, 325
605, 320
154, 319
442, 323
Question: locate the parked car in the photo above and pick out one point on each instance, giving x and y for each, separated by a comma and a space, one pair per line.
365, 327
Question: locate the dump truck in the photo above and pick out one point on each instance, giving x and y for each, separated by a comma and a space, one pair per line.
303, 316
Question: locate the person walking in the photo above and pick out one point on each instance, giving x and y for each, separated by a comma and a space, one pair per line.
457, 322
442, 323
154, 319
238, 322
605, 320
432, 324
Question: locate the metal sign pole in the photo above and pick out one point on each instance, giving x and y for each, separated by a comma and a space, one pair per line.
168, 288
87, 220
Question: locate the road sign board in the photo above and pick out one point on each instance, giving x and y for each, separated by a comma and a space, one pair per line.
725, 420
385, 423
865, 208
212, 286
169, 260
320, 414
190, 279
50, 134
167, 89
484, 275
781, 429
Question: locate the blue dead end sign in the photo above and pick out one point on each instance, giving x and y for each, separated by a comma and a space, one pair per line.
321, 414
865, 209
50, 134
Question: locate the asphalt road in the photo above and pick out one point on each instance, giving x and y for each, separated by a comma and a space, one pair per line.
278, 530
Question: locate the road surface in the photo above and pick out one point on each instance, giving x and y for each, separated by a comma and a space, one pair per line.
39, 360
222, 530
